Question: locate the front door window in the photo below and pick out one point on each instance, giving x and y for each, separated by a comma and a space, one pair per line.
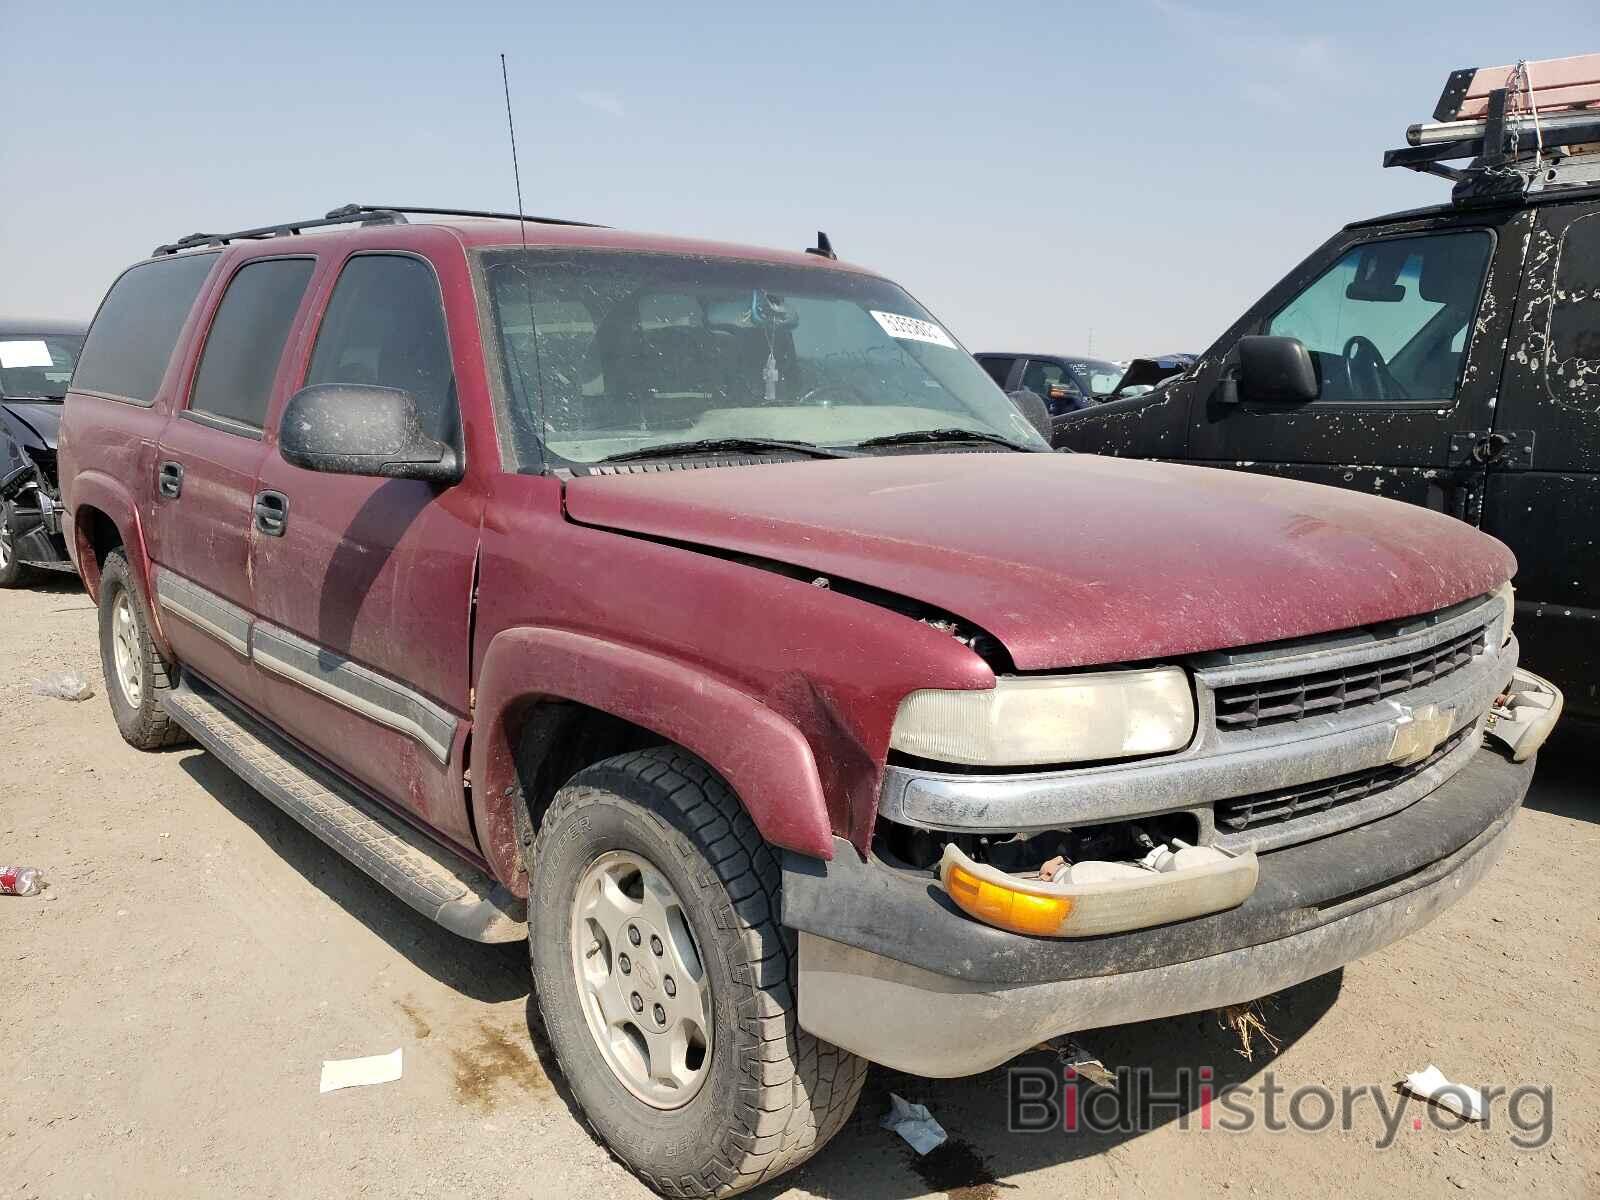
1391, 319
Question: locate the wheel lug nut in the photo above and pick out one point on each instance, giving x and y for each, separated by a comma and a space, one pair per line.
626, 965
637, 1001
655, 945
670, 987
633, 934
660, 1015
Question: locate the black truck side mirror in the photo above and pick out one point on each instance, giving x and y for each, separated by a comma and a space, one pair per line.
362, 429
1276, 370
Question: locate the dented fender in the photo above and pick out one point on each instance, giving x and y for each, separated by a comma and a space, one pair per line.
763, 757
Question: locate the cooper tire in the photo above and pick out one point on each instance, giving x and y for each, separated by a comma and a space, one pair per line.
772, 1095
136, 682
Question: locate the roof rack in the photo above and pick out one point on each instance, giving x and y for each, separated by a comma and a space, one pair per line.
363, 214
1525, 128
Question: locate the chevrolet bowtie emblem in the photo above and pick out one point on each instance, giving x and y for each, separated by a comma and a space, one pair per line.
1419, 733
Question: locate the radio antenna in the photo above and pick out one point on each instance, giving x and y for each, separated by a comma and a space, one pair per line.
522, 228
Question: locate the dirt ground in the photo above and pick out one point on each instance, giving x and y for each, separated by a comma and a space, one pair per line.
164, 1014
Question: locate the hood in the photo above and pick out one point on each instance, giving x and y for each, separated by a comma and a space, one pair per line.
32, 422
1073, 559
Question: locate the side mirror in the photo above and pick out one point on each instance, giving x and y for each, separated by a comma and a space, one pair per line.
362, 429
1032, 406
1276, 370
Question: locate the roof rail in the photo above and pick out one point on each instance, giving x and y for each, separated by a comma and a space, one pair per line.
339, 216
1524, 128
364, 214
355, 209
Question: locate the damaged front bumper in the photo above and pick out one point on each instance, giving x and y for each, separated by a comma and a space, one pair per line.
892, 969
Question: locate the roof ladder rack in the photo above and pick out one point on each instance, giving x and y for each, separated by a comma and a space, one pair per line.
1525, 127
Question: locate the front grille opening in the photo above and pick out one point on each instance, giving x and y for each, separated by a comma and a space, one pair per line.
1288, 803
1276, 701
913, 848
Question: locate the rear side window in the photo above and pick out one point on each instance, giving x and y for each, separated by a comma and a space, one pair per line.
1572, 369
385, 326
137, 328
246, 341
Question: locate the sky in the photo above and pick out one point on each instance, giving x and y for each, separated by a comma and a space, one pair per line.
1108, 179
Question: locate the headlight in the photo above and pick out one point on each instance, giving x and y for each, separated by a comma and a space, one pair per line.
1508, 594
1050, 719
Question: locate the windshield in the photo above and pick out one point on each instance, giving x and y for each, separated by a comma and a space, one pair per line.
623, 351
37, 364
1095, 376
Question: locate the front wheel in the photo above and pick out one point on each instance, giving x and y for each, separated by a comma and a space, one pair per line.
667, 983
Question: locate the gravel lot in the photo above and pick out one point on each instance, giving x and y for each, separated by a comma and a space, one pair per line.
165, 1011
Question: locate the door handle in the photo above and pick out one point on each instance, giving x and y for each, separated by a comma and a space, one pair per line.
169, 480
272, 513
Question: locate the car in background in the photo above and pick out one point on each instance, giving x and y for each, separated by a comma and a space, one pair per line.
1066, 383
1146, 374
36, 361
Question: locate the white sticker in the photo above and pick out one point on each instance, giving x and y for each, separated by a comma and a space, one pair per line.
911, 329
24, 354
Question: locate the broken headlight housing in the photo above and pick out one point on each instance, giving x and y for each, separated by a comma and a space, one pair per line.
1039, 720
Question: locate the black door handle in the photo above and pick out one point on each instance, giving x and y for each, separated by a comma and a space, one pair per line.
169, 480
272, 513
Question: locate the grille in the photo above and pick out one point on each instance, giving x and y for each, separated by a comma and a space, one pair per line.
1275, 701
1285, 804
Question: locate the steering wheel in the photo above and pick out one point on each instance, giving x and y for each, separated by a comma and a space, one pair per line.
1367, 372
848, 393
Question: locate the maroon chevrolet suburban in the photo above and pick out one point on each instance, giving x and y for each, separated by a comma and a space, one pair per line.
707, 616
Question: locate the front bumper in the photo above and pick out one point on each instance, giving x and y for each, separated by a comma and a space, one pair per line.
892, 970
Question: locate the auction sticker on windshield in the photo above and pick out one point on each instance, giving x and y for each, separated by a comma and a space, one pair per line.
911, 329
24, 354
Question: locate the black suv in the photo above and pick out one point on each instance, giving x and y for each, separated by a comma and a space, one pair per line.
1448, 356
36, 361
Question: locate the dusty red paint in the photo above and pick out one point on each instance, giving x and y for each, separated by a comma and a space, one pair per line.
1076, 560
786, 688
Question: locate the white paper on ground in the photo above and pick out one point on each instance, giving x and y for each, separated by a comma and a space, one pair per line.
1458, 1098
914, 1123
357, 1072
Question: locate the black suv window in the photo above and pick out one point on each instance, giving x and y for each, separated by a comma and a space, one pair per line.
999, 367
1572, 368
246, 341
385, 325
1389, 320
136, 330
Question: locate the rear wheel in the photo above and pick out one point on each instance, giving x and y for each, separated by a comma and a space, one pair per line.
12, 572
136, 675
666, 981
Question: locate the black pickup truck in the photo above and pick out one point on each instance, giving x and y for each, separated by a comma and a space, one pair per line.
1447, 356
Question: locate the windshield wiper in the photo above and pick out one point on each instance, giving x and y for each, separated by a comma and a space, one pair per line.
726, 445
912, 436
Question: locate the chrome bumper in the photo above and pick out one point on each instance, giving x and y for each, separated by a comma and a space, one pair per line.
887, 973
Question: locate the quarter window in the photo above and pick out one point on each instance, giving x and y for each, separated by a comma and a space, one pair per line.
246, 341
136, 330
999, 368
385, 326
1389, 320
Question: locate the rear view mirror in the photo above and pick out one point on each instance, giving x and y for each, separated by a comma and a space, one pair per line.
362, 429
1276, 370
